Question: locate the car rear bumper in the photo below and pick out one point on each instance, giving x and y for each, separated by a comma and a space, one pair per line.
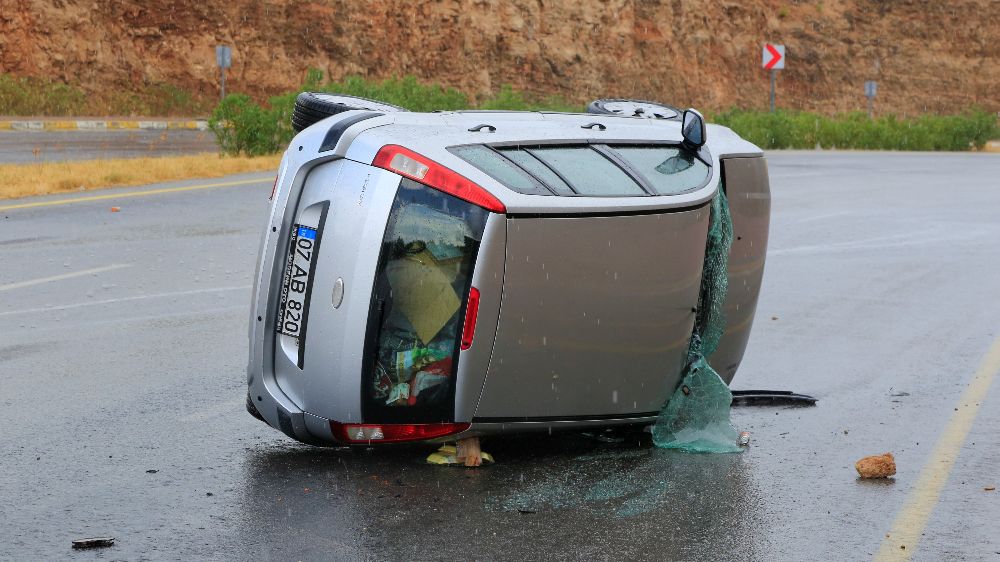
315, 430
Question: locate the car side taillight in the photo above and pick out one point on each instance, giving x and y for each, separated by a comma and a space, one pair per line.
471, 315
407, 163
393, 433
273, 188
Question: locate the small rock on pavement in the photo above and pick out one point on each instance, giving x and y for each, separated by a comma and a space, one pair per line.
876, 466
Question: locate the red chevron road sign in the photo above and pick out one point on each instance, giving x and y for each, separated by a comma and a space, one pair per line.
773, 56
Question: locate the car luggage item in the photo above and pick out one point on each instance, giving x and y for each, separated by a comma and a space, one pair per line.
311, 107
634, 108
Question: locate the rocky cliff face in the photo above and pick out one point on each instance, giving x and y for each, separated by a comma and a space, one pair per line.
926, 56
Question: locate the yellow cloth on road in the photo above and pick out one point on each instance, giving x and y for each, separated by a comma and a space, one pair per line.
446, 456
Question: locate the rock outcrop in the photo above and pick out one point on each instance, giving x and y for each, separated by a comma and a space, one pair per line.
926, 56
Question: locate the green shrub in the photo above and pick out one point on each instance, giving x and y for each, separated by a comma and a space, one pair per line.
242, 126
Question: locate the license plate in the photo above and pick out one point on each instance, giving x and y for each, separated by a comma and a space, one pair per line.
295, 285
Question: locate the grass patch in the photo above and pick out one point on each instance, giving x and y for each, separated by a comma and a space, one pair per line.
25, 180
28, 96
800, 129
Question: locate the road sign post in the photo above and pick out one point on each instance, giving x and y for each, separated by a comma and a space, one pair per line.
773, 58
224, 60
871, 88
774, 78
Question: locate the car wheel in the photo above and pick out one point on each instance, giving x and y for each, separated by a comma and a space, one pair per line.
311, 107
634, 108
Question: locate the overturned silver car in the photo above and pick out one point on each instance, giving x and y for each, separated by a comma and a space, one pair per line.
452, 274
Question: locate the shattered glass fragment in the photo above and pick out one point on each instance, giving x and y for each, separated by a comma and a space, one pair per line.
696, 418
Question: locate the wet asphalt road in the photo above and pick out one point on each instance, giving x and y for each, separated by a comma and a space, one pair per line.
122, 353
23, 147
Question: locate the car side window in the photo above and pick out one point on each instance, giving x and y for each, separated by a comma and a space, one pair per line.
669, 169
502, 170
588, 171
597, 170
535, 167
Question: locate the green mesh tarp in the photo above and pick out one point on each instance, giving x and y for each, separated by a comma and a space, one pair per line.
696, 418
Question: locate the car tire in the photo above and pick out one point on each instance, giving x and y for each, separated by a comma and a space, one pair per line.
634, 108
311, 107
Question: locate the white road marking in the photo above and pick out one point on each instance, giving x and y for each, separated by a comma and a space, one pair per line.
33, 282
921, 238
214, 410
824, 216
126, 299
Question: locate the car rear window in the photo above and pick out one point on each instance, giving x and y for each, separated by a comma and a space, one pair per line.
418, 305
590, 170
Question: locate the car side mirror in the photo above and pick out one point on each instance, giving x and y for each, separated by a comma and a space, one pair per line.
693, 129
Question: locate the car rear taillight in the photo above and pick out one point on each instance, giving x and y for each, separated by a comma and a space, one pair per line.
407, 163
471, 314
273, 188
393, 433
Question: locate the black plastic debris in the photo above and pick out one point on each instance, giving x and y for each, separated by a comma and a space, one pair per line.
94, 542
606, 436
771, 398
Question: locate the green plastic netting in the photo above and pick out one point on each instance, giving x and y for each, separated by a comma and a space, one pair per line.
696, 418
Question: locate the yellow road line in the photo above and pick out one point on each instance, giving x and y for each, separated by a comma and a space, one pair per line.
33, 282
133, 194
912, 520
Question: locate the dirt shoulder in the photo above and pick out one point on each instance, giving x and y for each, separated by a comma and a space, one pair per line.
25, 180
